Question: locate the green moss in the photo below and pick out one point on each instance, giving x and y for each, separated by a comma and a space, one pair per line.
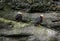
14, 23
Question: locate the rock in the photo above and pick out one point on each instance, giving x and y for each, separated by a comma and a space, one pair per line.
1, 38
31, 32
56, 26
10, 27
19, 5
11, 30
6, 25
16, 35
32, 38
2, 5
37, 32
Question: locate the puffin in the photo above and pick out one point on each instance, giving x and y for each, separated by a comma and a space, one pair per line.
18, 17
39, 20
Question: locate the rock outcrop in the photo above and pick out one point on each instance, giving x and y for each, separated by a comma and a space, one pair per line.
11, 30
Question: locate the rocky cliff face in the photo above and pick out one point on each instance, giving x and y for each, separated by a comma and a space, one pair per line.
30, 5
11, 30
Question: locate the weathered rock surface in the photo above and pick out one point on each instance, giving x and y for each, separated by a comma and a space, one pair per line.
48, 20
29, 5
10, 30
34, 33
2, 5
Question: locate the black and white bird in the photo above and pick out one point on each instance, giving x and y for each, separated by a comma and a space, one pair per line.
38, 20
18, 17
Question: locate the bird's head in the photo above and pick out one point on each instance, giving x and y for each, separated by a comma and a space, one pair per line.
19, 12
42, 16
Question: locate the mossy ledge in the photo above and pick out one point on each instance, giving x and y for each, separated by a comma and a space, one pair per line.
11, 27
